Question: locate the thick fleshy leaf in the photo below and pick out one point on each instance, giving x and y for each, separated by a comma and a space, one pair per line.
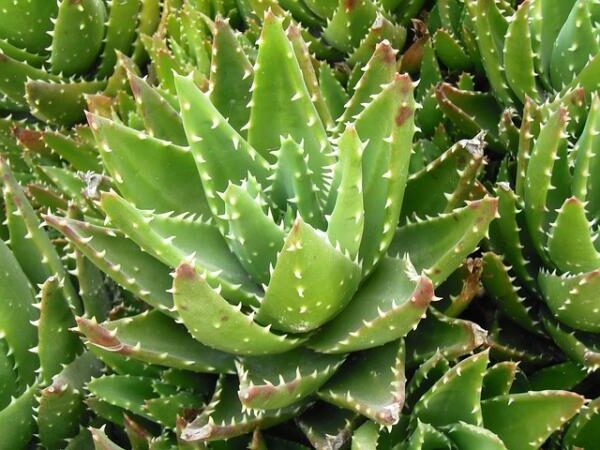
120, 259
17, 420
448, 180
571, 242
281, 104
225, 417
457, 234
456, 396
173, 240
57, 344
218, 324
378, 72
311, 283
77, 36
525, 421
277, 381
470, 437
371, 383
26, 23
451, 337
60, 103
160, 118
510, 297
426, 437
387, 123
584, 430
388, 305
221, 154
34, 246
498, 379
327, 426
583, 348
16, 314
120, 36
573, 299
565, 376
567, 61
231, 77
539, 178
167, 180
61, 404
154, 338
346, 223
518, 55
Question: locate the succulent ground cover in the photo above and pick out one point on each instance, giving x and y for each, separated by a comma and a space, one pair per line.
295, 224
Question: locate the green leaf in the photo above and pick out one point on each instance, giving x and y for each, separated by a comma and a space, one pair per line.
571, 245
311, 283
57, 344
61, 404
154, 338
281, 104
371, 383
26, 23
451, 337
510, 297
16, 314
151, 173
346, 223
539, 176
498, 379
525, 421
573, 298
34, 243
17, 420
120, 259
457, 234
519, 59
224, 417
161, 119
469, 437
218, 324
207, 130
448, 180
568, 60
60, 103
77, 36
231, 76
244, 207
388, 305
120, 36
327, 426
277, 381
172, 240
584, 431
387, 123
456, 396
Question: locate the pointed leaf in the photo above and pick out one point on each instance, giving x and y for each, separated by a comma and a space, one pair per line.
218, 324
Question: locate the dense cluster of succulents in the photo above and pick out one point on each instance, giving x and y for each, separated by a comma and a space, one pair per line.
276, 224
52, 53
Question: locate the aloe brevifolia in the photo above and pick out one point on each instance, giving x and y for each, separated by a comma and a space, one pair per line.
44, 367
521, 53
284, 242
470, 406
52, 53
544, 245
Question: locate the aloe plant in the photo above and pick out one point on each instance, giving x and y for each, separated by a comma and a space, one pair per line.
544, 246
291, 246
469, 406
44, 365
53, 53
